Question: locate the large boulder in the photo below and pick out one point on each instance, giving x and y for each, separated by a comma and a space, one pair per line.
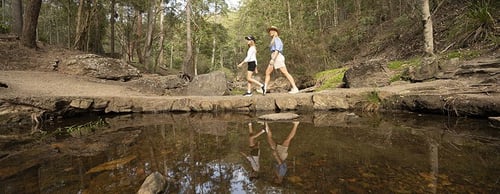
367, 74
99, 67
427, 70
157, 84
211, 84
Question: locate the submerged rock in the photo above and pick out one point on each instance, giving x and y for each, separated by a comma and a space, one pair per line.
153, 184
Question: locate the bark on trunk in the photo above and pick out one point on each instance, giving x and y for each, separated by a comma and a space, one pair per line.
30, 23
79, 28
159, 60
187, 65
112, 23
428, 31
17, 17
139, 36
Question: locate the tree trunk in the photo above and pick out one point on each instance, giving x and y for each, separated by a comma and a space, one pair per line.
138, 40
79, 26
149, 33
3, 10
159, 60
187, 65
428, 31
17, 17
171, 56
289, 14
221, 59
69, 23
213, 40
213, 51
335, 13
318, 12
30, 23
358, 9
195, 58
112, 23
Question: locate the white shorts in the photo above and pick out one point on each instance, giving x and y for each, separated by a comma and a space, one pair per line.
279, 62
282, 152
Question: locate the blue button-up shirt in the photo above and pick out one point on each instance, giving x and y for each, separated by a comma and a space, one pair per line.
277, 45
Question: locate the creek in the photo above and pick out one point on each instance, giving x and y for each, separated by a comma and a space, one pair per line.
327, 152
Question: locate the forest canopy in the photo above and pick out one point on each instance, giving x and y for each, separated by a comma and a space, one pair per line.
207, 35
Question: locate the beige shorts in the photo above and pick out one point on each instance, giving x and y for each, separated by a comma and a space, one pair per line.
279, 62
282, 152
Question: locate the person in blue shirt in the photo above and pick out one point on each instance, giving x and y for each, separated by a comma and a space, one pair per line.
251, 60
280, 152
277, 61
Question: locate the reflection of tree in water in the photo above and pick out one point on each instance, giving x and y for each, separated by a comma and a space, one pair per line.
202, 168
338, 154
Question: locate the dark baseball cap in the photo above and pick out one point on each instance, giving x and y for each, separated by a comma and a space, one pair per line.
249, 37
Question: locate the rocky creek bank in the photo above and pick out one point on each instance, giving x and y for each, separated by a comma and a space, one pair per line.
93, 84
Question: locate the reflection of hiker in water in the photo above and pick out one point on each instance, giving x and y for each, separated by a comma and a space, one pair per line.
253, 158
280, 152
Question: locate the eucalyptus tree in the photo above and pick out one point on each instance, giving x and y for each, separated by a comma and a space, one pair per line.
17, 16
428, 32
90, 27
188, 65
30, 23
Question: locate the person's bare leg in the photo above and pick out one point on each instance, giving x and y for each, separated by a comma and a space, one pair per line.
251, 80
249, 83
269, 70
288, 76
270, 140
288, 139
252, 136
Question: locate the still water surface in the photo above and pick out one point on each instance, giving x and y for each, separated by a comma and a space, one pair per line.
323, 152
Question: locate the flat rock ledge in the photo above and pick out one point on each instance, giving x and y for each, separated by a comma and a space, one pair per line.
423, 98
279, 116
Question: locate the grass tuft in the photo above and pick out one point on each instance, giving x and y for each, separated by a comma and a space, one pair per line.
330, 78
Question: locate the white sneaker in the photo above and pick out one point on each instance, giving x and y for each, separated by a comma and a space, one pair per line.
294, 91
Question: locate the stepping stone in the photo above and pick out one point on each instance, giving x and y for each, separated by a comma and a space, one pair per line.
279, 116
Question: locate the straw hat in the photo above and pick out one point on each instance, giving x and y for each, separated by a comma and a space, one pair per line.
274, 28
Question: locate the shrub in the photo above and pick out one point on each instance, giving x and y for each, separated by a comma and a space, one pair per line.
4, 29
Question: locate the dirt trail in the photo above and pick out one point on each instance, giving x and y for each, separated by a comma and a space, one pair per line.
33, 83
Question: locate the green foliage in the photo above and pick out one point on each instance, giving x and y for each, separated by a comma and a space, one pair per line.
90, 126
4, 28
403, 20
237, 92
462, 54
400, 65
373, 97
480, 12
330, 78
372, 103
367, 20
394, 78
476, 25
395, 65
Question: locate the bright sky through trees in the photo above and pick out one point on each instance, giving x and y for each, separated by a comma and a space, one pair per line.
233, 3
